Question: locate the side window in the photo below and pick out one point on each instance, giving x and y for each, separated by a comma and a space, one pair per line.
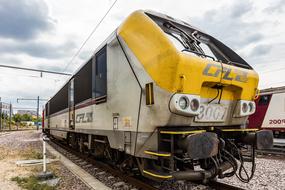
264, 100
101, 73
83, 76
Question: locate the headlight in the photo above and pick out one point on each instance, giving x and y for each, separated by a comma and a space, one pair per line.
194, 104
244, 108
183, 103
251, 106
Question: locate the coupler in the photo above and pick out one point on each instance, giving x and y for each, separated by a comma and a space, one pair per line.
262, 139
201, 145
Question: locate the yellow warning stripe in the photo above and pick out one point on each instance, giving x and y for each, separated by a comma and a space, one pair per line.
182, 132
230, 130
157, 175
157, 154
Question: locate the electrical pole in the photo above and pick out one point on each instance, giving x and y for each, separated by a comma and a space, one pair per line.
1, 116
38, 105
10, 116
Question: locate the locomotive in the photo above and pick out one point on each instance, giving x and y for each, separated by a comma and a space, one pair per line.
162, 99
270, 112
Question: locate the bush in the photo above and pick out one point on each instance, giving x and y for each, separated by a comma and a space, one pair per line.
31, 183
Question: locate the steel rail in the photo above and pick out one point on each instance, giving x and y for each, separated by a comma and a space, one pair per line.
273, 151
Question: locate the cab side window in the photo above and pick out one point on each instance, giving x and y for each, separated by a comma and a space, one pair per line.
101, 74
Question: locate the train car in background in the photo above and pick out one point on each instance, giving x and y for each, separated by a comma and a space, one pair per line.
270, 111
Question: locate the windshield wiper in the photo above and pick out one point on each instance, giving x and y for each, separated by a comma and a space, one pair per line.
189, 42
204, 55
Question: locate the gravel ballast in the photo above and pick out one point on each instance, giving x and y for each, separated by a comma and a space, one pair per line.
28, 145
269, 174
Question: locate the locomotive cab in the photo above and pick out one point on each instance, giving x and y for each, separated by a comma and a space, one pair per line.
208, 91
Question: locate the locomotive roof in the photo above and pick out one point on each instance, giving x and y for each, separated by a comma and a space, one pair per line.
165, 17
273, 90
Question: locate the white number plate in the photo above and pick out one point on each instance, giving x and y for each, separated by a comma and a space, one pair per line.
212, 113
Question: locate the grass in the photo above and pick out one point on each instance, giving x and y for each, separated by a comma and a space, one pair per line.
32, 154
26, 153
3, 153
31, 183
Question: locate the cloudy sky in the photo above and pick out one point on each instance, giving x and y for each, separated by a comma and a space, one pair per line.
45, 34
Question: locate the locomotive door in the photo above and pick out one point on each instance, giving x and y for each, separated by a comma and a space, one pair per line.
71, 109
48, 115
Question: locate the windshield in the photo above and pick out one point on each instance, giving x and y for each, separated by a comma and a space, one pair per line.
193, 45
192, 41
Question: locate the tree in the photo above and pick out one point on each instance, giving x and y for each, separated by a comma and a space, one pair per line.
17, 117
26, 117
37, 120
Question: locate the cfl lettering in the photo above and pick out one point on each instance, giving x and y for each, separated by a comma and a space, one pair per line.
84, 117
214, 70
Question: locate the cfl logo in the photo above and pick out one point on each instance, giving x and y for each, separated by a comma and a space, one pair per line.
215, 71
84, 117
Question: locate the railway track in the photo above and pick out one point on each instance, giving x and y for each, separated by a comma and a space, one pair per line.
277, 150
97, 168
118, 180
274, 151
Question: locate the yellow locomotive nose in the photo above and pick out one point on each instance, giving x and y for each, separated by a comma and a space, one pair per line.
204, 77
186, 72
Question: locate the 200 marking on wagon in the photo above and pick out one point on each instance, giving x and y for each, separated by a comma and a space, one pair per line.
212, 113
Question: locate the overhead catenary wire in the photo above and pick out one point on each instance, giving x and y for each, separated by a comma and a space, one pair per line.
89, 36
36, 70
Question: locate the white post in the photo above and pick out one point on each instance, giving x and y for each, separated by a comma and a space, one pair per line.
44, 155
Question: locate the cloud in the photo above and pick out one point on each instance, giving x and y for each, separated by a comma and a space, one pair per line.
278, 7
229, 24
38, 49
239, 9
24, 19
261, 50
10, 60
85, 55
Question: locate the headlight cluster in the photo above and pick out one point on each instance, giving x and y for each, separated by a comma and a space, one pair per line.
185, 104
244, 108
